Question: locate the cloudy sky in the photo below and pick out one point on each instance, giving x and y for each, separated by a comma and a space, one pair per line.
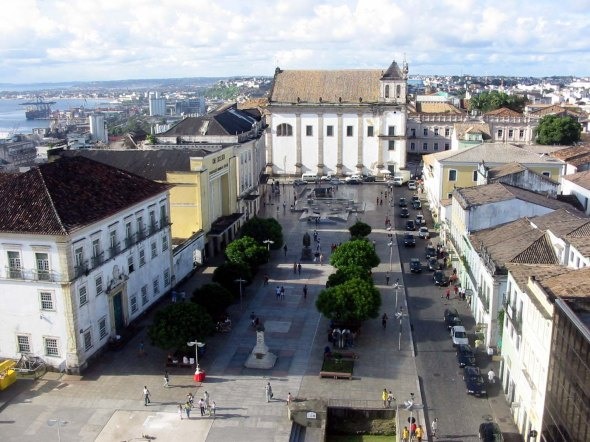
55, 40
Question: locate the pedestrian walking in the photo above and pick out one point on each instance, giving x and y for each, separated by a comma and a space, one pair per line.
206, 398
146, 396
419, 433
387, 278
285, 249
384, 319
434, 427
140, 350
491, 376
268, 392
180, 410
390, 399
448, 293
166, 379
456, 290
266, 278
284, 207
299, 268
187, 410
305, 291
212, 409
294, 268
282, 292
374, 244
289, 398
190, 399
405, 435
384, 395
202, 406
278, 292
321, 259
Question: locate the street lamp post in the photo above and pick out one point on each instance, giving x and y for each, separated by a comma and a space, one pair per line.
240, 281
390, 244
410, 406
199, 374
400, 315
396, 287
268, 242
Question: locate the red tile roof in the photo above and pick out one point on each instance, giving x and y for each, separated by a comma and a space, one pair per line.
60, 197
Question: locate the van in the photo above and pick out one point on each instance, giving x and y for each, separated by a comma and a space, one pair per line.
398, 181
309, 177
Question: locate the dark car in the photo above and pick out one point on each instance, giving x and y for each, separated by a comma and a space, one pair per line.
465, 355
452, 318
299, 182
416, 205
404, 213
430, 251
471, 371
433, 263
369, 179
476, 386
410, 225
354, 181
402, 202
409, 240
415, 198
490, 432
415, 265
440, 278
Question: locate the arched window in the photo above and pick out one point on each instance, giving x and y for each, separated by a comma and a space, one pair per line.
284, 130
386, 91
398, 91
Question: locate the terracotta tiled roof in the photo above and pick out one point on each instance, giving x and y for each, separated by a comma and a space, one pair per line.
505, 169
59, 197
582, 179
472, 127
496, 192
348, 86
504, 112
555, 109
574, 284
560, 222
427, 107
572, 153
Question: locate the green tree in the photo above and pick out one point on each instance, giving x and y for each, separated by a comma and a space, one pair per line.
151, 139
555, 129
214, 298
346, 273
246, 250
178, 324
358, 252
491, 100
359, 230
262, 229
355, 300
227, 273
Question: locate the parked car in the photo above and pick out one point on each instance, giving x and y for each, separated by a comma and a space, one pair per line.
398, 181
415, 265
369, 178
433, 264
402, 202
415, 198
470, 371
409, 240
465, 356
440, 278
476, 386
336, 181
353, 181
459, 335
410, 225
451, 317
430, 251
412, 185
417, 205
404, 213
299, 182
490, 432
420, 221
423, 232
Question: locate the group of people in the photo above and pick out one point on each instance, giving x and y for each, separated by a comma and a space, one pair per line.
414, 433
206, 406
387, 398
297, 268
341, 338
223, 326
280, 292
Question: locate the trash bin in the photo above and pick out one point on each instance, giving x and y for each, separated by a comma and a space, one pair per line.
200, 376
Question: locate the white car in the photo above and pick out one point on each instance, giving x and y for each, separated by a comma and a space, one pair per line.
459, 335
398, 181
420, 221
412, 185
353, 178
423, 233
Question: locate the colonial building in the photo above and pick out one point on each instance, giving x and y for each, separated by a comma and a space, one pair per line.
337, 122
85, 249
578, 185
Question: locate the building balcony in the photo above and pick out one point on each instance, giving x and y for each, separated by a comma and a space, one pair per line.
485, 302
97, 260
114, 250
81, 269
29, 275
514, 317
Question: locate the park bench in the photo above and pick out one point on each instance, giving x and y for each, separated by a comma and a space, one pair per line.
335, 375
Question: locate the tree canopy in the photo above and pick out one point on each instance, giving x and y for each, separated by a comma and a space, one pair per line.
555, 129
492, 100
358, 252
359, 230
227, 273
214, 298
247, 251
262, 229
346, 273
178, 324
354, 300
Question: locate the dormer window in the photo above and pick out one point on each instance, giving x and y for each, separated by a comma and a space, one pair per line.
386, 91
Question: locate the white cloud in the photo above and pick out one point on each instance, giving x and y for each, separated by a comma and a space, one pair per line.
57, 40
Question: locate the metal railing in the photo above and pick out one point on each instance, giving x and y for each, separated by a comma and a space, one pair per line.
29, 275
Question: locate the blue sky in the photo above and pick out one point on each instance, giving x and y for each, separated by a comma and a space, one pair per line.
55, 40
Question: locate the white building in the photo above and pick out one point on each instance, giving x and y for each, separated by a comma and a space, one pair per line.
157, 106
98, 127
578, 184
338, 122
84, 250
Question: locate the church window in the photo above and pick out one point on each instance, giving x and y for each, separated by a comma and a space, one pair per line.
447, 131
391, 145
309, 131
424, 146
412, 146
387, 91
398, 91
349, 131
425, 132
370, 131
284, 130
330, 131
391, 131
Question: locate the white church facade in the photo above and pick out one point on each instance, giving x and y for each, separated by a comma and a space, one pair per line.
339, 122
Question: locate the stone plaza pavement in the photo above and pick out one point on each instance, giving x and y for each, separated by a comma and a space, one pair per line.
106, 403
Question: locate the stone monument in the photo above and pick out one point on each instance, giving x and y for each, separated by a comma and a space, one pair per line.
306, 250
260, 356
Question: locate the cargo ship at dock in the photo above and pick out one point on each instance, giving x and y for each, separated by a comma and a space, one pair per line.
38, 110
